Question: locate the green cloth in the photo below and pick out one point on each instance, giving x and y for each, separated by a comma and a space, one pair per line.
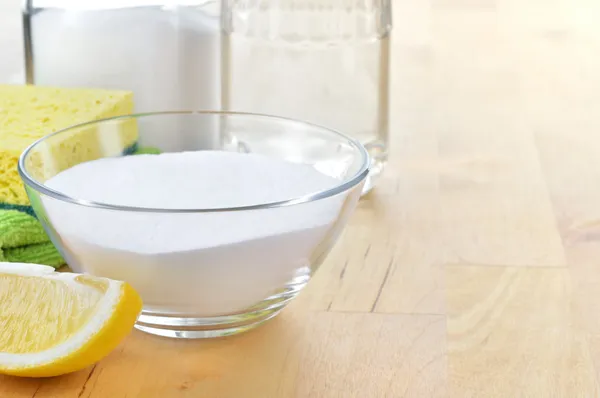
43, 253
25, 209
147, 151
23, 240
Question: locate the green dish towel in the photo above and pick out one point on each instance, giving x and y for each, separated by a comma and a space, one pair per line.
22, 238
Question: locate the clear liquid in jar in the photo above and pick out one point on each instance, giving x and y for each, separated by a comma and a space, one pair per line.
325, 66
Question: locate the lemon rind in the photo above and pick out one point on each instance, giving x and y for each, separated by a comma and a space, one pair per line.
25, 269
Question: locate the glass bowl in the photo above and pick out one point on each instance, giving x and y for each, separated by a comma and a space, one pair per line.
220, 287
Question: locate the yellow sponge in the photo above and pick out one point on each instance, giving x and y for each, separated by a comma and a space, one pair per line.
28, 113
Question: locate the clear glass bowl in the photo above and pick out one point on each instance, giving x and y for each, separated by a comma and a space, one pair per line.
219, 289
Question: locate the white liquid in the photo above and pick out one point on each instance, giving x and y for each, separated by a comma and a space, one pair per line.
202, 264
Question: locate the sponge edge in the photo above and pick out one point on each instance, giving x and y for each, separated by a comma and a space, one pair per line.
28, 113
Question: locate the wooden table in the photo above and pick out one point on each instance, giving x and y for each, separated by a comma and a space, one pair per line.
471, 271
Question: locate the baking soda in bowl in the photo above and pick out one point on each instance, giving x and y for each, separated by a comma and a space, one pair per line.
204, 264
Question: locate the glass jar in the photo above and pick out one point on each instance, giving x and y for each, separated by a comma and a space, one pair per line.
166, 52
323, 61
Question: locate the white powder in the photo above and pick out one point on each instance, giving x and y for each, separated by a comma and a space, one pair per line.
204, 264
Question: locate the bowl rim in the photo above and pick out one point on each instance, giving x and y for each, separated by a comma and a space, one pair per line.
356, 179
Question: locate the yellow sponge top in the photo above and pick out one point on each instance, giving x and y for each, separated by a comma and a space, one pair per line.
28, 113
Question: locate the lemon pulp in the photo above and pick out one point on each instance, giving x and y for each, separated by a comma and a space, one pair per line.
36, 316
54, 323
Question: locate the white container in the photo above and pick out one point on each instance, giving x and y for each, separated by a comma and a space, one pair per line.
167, 53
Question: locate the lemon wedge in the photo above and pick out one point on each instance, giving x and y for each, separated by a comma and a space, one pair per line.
52, 323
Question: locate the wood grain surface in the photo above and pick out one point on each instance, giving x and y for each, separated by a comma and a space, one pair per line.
473, 270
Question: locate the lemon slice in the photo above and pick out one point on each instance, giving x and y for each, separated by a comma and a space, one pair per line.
52, 323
